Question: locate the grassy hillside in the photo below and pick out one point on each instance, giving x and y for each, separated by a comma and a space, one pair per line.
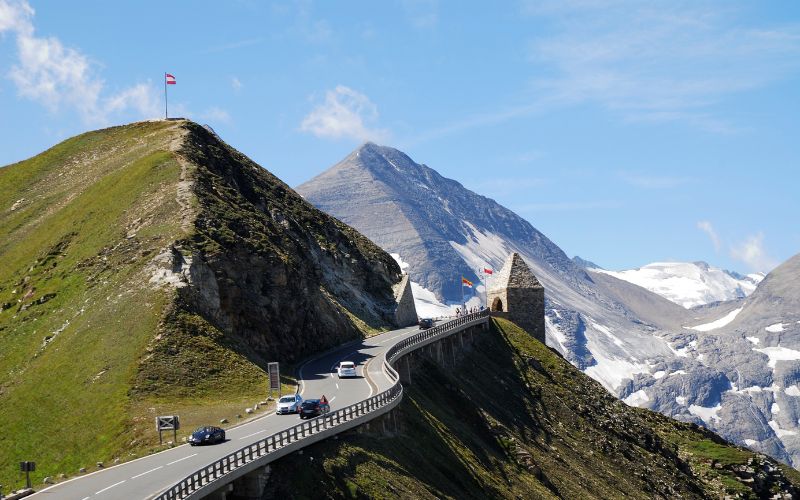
132, 277
514, 420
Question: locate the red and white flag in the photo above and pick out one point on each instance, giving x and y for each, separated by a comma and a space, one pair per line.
170, 79
487, 271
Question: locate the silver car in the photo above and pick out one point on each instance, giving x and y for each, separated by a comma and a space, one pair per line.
289, 404
346, 369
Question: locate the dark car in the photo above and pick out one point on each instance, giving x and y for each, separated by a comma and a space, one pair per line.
207, 435
425, 323
314, 408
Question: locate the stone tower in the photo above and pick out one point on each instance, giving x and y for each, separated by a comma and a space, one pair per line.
516, 294
405, 314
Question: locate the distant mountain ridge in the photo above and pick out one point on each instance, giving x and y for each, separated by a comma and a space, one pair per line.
690, 284
646, 349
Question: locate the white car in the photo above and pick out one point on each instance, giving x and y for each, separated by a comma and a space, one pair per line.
346, 369
289, 404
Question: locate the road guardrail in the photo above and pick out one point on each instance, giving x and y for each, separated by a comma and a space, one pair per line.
271, 448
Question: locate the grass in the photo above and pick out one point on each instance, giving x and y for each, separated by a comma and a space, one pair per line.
91, 350
515, 420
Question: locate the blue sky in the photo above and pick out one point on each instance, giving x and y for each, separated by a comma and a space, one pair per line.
628, 132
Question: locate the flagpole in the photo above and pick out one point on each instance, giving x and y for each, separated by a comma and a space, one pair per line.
463, 306
166, 112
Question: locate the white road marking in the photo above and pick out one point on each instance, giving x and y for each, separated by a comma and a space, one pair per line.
253, 434
337, 386
333, 398
85, 498
148, 472
106, 489
182, 459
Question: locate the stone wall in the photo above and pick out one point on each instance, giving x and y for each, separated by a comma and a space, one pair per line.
405, 313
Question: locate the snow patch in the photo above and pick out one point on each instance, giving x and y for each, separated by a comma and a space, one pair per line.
725, 320
750, 442
681, 400
780, 432
705, 413
400, 262
776, 328
607, 332
779, 354
775, 408
637, 398
754, 340
689, 284
481, 249
428, 306
611, 371
659, 374
793, 390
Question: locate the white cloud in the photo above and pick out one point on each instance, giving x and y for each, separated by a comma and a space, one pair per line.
752, 252
236, 83
345, 113
708, 228
671, 61
60, 77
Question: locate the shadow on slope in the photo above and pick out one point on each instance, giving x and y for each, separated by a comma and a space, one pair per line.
514, 420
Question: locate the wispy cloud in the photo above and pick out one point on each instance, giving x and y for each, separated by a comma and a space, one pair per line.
646, 181
345, 113
236, 84
751, 251
422, 14
60, 77
669, 61
708, 228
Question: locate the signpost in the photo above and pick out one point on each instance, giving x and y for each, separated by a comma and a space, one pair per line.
168, 423
27, 468
274, 378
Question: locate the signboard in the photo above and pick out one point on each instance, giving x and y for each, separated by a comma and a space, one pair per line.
274, 378
168, 423
27, 466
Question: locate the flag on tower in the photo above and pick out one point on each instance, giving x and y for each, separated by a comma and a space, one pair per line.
466, 282
170, 79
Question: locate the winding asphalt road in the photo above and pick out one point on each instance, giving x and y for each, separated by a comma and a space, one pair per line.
147, 476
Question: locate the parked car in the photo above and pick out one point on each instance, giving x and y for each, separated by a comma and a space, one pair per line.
207, 435
346, 369
289, 404
425, 323
314, 408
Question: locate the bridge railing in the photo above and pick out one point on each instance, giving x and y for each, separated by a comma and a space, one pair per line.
305, 433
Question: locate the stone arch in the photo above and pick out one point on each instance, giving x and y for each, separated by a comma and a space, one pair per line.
497, 304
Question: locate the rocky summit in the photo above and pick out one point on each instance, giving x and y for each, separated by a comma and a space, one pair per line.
729, 366
152, 268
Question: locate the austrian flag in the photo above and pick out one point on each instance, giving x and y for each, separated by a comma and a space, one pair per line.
487, 271
170, 79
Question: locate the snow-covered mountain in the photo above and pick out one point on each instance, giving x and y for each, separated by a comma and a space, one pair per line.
647, 350
690, 284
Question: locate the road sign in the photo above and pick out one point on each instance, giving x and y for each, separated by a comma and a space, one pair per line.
168, 423
274, 378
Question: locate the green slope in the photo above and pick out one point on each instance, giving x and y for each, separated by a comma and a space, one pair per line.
91, 348
515, 420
